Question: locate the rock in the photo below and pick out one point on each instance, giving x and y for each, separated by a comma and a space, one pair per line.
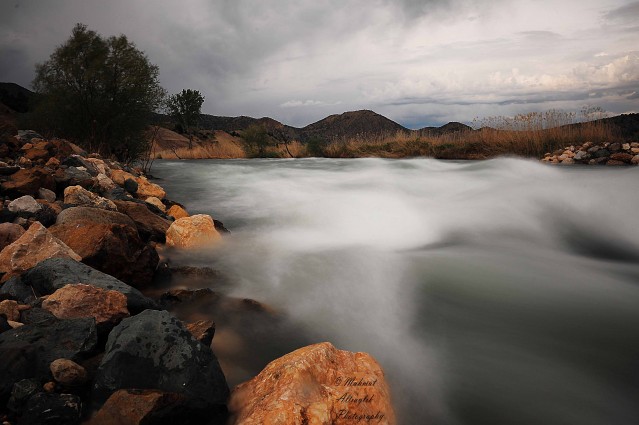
202, 330
568, 161
10, 233
634, 145
4, 325
24, 162
7, 170
53, 163
28, 135
37, 316
77, 195
107, 307
25, 205
154, 350
68, 373
49, 387
317, 384
35, 245
192, 232
120, 177
28, 182
107, 241
27, 351
147, 189
614, 147
635, 151
53, 274
593, 149
52, 409
72, 176
15, 289
21, 393
9, 309
105, 184
46, 194
601, 153
79, 162
601, 161
99, 165
131, 186
156, 202
581, 156
614, 162
37, 154
635, 159
14, 325
150, 226
625, 146
139, 407
177, 211
620, 156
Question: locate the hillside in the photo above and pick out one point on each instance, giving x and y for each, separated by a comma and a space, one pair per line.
16, 97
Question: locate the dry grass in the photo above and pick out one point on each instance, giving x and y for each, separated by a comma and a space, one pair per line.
219, 145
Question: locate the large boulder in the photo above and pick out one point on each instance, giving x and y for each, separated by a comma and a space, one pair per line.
108, 241
52, 409
53, 274
79, 196
107, 307
153, 350
28, 181
192, 232
37, 244
150, 226
317, 384
27, 351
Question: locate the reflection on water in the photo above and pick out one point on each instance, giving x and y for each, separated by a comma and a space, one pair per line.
497, 292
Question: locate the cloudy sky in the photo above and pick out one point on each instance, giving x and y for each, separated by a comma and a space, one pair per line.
418, 62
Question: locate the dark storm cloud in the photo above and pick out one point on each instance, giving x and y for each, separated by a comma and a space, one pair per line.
15, 66
627, 13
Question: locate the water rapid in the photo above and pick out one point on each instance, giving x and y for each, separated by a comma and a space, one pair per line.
495, 292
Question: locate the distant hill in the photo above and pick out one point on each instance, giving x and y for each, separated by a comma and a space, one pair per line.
451, 127
350, 125
16, 97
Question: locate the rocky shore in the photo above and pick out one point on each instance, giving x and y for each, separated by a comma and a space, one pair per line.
613, 154
83, 242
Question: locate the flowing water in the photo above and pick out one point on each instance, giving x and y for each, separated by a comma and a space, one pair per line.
495, 292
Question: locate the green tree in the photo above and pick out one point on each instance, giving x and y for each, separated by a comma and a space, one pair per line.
185, 108
256, 140
99, 92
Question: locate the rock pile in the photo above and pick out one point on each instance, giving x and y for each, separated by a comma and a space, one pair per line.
591, 154
79, 342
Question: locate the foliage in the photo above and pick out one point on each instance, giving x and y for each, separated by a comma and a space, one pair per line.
99, 92
185, 108
256, 140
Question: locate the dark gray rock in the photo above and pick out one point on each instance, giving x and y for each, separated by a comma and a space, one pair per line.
153, 350
27, 351
614, 147
601, 153
52, 274
118, 194
52, 409
27, 135
8, 170
22, 392
593, 149
15, 289
4, 325
37, 316
131, 186
78, 161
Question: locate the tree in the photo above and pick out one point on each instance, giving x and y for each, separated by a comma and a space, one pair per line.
256, 140
185, 108
99, 93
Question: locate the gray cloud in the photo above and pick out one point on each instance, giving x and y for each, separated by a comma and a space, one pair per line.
300, 60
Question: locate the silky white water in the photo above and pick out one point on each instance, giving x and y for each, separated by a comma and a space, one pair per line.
495, 292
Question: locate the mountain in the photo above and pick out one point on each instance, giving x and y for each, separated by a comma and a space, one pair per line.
16, 97
451, 127
350, 125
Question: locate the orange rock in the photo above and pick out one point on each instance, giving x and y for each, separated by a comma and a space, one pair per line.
317, 384
177, 211
192, 232
147, 189
202, 330
68, 373
9, 309
120, 176
37, 244
136, 407
156, 203
74, 301
77, 195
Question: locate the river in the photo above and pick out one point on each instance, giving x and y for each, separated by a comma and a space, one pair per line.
494, 292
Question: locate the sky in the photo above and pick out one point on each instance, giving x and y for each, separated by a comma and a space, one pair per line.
418, 62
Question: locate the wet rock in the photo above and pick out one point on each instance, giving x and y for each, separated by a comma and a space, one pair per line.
154, 350
620, 156
150, 226
10, 233
68, 373
25, 205
192, 232
28, 351
53, 274
317, 384
202, 330
131, 186
107, 241
77, 195
219, 226
46, 194
139, 407
52, 409
107, 307
35, 245
28, 182
156, 202
177, 211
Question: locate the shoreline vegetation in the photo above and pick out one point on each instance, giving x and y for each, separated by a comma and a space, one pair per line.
96, 326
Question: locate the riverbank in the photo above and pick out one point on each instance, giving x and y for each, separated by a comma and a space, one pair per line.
94, 330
